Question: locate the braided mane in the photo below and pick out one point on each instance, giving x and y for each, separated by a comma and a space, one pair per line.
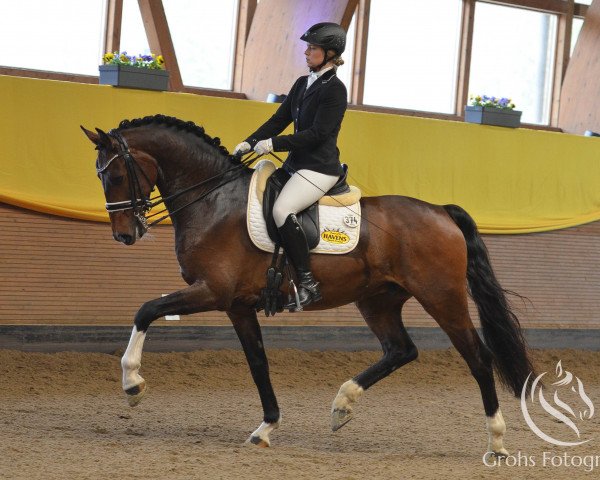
176, 123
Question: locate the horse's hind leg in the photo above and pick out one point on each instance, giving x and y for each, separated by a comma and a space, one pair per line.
452, 314
247, 328
383, 314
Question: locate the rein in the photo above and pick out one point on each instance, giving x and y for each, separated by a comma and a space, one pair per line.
140, 203
243, 164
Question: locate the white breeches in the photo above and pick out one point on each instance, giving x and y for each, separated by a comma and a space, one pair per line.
303, 189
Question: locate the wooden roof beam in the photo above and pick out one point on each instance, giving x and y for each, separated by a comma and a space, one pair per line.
464, 62
112, 32
360, 51
550, 6
159, 38
246, 10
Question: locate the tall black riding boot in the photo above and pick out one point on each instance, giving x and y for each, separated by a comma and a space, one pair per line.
296, 247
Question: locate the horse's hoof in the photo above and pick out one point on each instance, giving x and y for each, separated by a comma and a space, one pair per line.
503, 453
258, 442
136, 394
339, 418
500, 454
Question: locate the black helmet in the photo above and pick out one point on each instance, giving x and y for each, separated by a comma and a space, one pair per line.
330, 36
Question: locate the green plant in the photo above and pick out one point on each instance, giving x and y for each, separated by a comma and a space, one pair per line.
152, 61
495, 102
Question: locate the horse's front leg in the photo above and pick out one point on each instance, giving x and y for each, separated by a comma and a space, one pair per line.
248, 330
193, 299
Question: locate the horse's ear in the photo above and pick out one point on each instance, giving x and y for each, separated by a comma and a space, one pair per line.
104, 138
94, 138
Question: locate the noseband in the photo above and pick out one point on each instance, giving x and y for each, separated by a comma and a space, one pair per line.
139, 203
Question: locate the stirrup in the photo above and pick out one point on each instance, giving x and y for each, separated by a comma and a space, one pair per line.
295, 305
301, 298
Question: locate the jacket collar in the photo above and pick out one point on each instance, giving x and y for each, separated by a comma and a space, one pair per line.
319, 82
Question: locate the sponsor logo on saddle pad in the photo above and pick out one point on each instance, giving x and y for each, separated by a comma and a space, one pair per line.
333, 236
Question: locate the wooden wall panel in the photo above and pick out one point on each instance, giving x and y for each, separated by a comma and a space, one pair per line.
60, 271
274, 53
580, 95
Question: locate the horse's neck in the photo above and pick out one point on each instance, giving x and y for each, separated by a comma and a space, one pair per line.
179, 170
183, 167
222, 210
185, 161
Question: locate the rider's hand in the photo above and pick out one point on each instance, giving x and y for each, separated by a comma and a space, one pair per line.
242, 148
264, 146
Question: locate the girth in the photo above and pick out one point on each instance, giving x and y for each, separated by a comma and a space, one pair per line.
309, 217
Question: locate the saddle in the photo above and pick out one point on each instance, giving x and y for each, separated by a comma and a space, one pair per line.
307, 218
329, 229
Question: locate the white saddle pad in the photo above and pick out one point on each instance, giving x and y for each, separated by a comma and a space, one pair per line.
339, 227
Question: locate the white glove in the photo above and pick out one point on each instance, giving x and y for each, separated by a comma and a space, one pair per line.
264, 146
241, 148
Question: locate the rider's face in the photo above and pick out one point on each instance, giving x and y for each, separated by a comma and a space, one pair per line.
314, 56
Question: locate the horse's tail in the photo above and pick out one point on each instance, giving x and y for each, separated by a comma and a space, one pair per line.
501, 328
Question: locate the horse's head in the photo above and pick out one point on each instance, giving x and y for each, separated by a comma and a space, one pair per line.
128, 177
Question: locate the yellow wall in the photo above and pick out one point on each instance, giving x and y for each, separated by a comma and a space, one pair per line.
511, 181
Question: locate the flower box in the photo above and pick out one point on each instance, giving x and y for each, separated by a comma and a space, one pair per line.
134, 77
501, 117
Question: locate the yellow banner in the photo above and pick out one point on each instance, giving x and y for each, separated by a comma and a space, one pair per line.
510, 181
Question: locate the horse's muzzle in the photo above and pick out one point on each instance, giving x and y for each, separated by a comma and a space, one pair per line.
124, 238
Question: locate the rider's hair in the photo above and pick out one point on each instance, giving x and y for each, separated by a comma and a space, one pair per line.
337, 61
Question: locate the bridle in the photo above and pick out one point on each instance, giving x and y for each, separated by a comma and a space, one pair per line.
140, 203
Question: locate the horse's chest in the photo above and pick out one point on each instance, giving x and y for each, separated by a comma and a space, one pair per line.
196, 261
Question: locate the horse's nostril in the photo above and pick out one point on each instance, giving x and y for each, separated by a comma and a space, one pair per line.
124, 238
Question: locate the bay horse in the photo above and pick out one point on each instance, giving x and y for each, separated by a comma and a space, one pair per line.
408, 248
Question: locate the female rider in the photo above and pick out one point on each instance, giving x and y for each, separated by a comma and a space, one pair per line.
316, 105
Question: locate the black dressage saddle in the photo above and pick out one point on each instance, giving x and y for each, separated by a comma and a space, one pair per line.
309, 217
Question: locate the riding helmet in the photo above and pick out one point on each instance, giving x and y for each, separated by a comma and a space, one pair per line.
330, 36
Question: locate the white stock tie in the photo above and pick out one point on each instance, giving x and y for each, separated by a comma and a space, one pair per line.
311, 79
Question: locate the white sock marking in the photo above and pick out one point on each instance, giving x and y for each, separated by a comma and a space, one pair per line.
132, 359
265, 430
349, 393
496, 430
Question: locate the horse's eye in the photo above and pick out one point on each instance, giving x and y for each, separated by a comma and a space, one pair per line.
115, 179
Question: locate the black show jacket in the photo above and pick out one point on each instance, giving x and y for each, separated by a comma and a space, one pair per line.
317, 114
